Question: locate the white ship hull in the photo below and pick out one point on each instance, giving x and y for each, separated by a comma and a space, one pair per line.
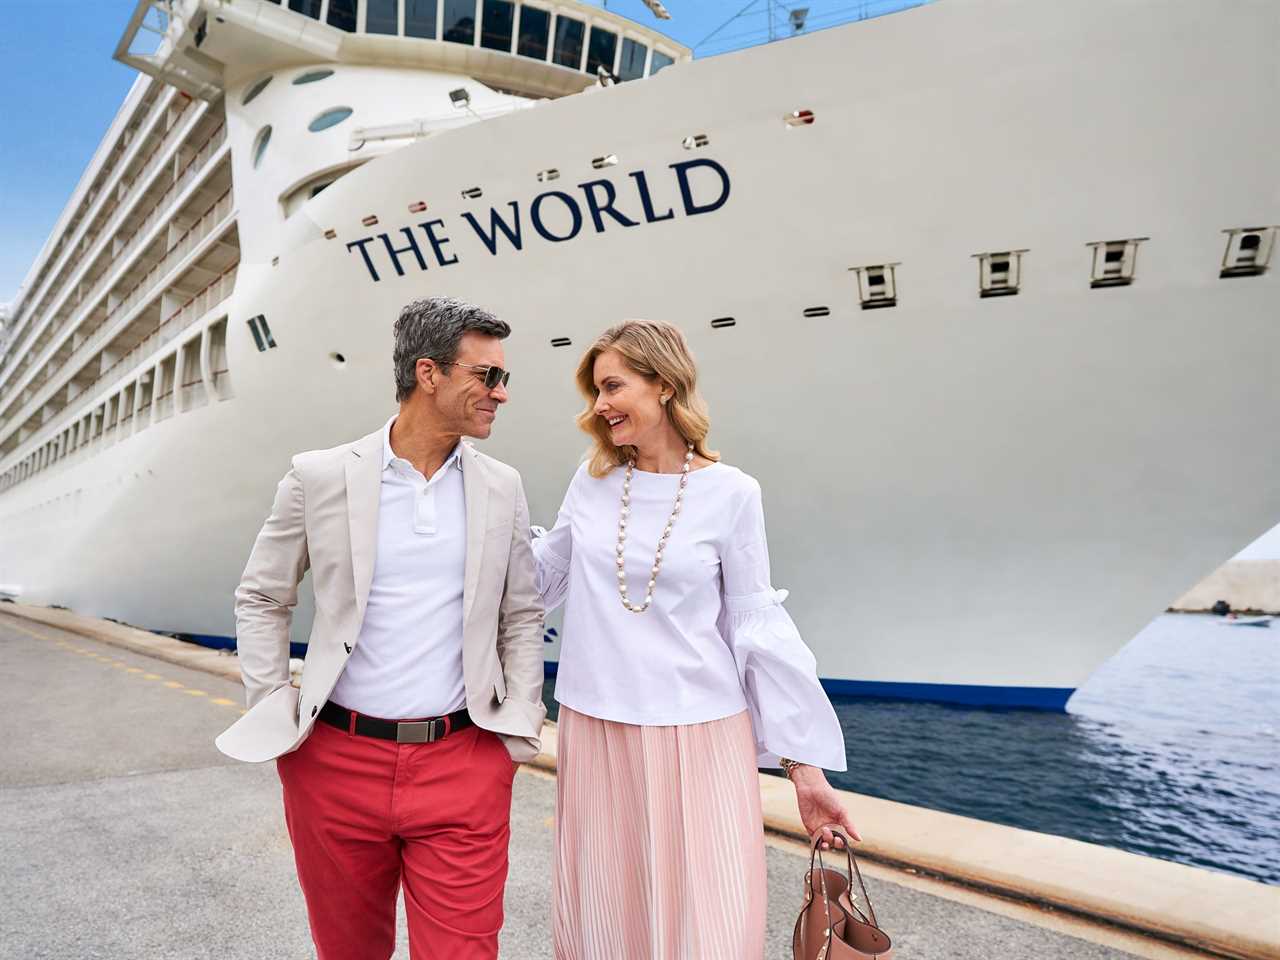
969, 499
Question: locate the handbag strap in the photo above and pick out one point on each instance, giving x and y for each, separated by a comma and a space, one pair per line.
822, 880
852, 867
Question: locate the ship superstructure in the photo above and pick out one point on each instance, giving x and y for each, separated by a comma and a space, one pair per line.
967, 283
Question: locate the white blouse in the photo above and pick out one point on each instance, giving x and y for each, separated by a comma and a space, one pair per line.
716, 639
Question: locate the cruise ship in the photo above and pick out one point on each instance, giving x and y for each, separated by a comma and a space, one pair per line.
983, 293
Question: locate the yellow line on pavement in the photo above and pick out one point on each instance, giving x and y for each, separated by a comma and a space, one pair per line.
123, 665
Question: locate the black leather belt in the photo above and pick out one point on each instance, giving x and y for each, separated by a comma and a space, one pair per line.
401, 731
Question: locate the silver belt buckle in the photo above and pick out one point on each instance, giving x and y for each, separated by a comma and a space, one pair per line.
416, 731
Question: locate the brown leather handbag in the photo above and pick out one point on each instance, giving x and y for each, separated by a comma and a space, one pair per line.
830, 926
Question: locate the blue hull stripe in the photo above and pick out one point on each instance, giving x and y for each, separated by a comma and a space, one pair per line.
973, 695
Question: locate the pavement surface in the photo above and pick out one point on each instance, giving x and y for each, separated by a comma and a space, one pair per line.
127, 835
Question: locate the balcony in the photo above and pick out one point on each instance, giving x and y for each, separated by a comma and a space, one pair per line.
193, 310
50, 301
151, 287
159, 212
106, 201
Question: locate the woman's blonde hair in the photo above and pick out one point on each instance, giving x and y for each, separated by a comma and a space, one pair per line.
657, 351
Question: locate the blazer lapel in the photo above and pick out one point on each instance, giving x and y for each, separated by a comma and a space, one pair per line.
364, 493
475, 488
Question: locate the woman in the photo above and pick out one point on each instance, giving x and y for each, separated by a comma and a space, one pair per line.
679, 673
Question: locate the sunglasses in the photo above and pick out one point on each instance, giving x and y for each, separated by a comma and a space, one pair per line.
492, 375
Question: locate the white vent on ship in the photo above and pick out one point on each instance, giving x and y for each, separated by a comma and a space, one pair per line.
877, 286
817, 311
472, 193
609, 160
546, 176
999, 274
697, 140
560, 341
721, 322
1248, 252
1114, 262
800, 118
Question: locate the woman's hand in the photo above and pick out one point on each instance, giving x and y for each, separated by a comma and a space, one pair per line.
820, 805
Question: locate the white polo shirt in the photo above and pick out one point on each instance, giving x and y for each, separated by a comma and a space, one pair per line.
408, 661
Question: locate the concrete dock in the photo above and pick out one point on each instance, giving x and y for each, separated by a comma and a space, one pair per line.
127, 835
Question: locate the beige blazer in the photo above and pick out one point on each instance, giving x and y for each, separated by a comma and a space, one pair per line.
325, 518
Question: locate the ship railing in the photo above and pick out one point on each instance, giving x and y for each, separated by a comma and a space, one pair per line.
189, 170
200, 305
192, 310
108, 200
115, 213
192, 168
210, 222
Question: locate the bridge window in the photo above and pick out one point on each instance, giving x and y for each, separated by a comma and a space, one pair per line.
308, 8
420, 18
535, 29
497, 25
460, 21
342, 14
660, 62
601, 50
569, 34
631, 66
382, 16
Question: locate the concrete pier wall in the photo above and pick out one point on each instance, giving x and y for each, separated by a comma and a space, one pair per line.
1246, 585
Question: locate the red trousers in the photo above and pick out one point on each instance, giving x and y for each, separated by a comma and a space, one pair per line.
367, 816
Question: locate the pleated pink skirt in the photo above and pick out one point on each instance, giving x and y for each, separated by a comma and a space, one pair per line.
659, 841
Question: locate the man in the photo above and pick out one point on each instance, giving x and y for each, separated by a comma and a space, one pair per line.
424, 667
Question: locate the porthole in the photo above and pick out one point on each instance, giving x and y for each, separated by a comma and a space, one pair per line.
260, 145
311, 76
338, 360
256, 89
330, 118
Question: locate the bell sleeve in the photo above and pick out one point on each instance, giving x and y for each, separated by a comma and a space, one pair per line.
791, 715
552, 550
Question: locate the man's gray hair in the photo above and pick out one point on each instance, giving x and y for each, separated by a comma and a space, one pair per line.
433, 328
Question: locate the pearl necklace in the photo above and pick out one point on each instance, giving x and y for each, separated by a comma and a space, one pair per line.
662, 540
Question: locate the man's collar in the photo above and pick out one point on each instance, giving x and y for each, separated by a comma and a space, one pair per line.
454, 458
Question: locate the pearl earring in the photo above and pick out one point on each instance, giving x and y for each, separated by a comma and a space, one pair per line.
664, 398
